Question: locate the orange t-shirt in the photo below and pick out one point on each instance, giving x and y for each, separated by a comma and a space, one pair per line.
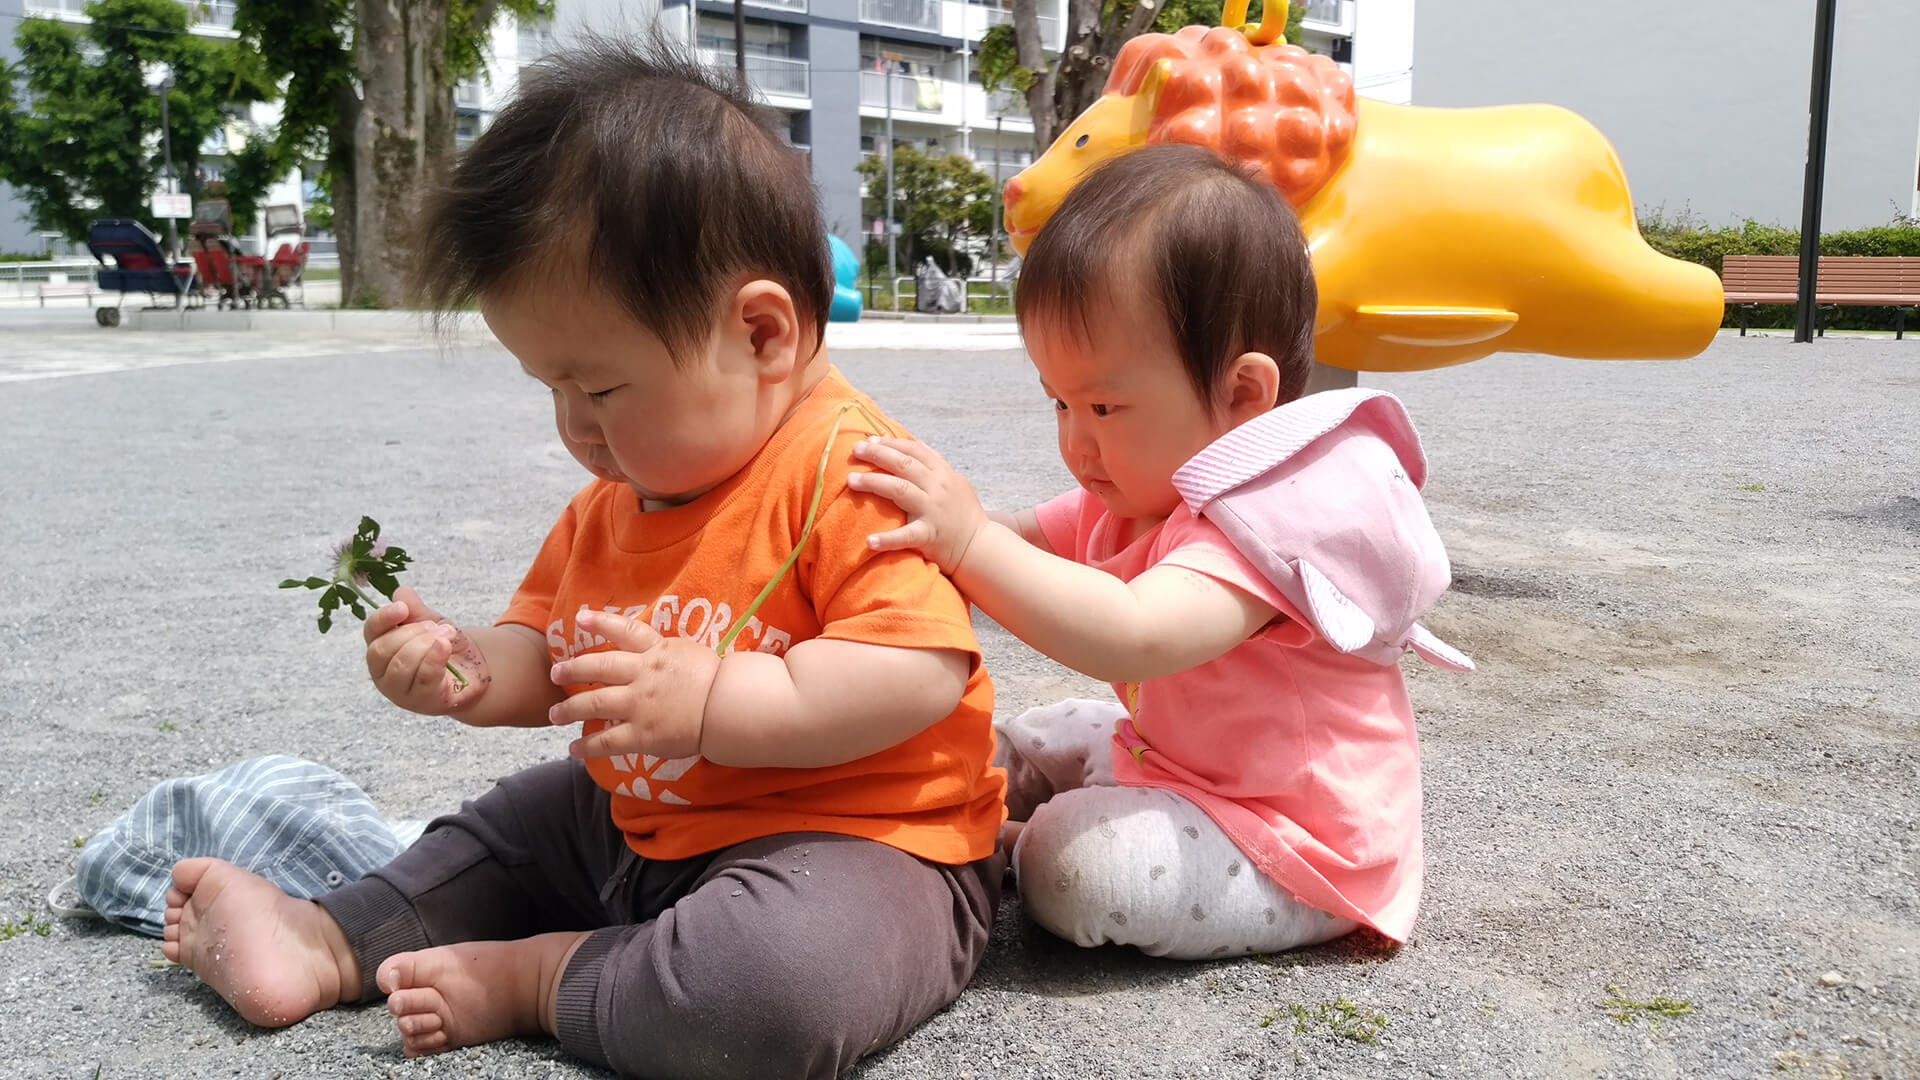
688, 570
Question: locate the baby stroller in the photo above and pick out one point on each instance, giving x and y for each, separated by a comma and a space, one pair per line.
936, 292
237, 279
287, 261
138, 266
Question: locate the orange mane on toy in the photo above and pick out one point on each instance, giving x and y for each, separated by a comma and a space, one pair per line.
1278, 107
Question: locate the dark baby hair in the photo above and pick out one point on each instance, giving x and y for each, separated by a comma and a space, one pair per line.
1218, 252
631, 170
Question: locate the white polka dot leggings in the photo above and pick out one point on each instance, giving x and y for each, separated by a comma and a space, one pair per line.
1102, 864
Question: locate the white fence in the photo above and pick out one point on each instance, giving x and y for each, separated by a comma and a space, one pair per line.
35, 280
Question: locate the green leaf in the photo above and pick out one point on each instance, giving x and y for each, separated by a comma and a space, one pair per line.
382, 582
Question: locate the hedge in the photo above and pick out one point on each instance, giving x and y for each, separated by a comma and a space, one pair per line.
1682, 239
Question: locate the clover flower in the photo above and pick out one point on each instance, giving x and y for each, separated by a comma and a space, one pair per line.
360, 562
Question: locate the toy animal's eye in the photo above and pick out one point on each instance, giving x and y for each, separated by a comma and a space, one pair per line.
1081, 141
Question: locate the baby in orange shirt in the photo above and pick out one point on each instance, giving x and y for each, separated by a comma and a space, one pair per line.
772, 849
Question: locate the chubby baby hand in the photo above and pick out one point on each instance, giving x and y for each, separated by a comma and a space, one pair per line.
943, 513
652, 690
421, 661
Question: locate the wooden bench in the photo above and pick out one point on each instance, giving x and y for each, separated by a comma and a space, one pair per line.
1840, 281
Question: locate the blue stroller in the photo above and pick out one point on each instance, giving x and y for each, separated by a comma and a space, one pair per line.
138, 266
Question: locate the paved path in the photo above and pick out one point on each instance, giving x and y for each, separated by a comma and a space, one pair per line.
1687, 766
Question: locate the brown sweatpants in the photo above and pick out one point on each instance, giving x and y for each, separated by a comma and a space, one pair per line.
791, 955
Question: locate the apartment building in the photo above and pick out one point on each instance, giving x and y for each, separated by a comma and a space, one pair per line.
835, 71
1371, 39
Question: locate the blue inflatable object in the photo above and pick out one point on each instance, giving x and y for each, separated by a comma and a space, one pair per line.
846, 272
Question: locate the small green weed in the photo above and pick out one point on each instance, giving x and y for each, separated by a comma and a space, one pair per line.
1753, 487
96, 797
1341, 1017
1797, 1066
10, 930
1625, 1011
167, 727
79, 841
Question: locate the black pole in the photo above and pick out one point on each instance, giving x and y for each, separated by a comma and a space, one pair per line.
740, 42
166, 144
1808, 311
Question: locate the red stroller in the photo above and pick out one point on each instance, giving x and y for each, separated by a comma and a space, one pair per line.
287, 243
237, 279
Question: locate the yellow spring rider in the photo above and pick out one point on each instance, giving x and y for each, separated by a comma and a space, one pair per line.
1438, 236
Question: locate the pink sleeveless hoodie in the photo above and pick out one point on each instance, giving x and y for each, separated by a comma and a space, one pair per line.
1299, 742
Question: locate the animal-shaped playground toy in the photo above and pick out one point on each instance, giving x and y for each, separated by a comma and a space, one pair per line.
1438, 236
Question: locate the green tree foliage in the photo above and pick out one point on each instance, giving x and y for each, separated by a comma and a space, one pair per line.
83, 141
942, 202
327, 64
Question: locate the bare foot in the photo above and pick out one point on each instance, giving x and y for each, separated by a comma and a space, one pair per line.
276, 960
476, 992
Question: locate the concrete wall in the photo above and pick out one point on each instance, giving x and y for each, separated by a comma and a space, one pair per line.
835, 52
612, 18
1383, 43
1705, 100
15, 233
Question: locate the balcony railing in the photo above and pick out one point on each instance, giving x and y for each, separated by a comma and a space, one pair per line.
912, 14
784, 75
1001, 164
1008, 103
783, 5
211, 12
218, 13
1049, 25
908, 94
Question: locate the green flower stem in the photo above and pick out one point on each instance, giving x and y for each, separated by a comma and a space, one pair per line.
459, 680
806, 529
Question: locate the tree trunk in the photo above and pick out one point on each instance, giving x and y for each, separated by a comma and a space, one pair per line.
1078, 77
1028, 49
402, 137
343, 192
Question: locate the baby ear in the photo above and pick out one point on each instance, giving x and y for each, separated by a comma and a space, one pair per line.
768, 327
1249, 387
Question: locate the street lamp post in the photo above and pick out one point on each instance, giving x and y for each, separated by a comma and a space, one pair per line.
739, 43
893, 276
166, 145
1807, 313
993, 257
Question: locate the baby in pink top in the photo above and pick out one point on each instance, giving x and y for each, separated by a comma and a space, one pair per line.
1245, 565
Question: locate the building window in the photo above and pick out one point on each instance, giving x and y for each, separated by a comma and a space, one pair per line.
762, 38
536, 39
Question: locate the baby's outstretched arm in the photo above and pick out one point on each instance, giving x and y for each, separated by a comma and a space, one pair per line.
1166, 620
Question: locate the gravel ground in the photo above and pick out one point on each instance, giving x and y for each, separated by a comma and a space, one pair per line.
1687, 766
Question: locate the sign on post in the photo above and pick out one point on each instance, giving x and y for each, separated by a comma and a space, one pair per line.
172, 206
